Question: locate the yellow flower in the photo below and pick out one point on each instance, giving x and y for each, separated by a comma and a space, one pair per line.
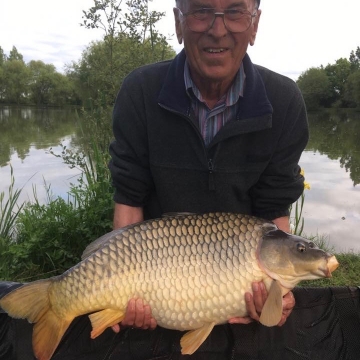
306, 184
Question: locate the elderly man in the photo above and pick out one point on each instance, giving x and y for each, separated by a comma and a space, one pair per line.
208, 131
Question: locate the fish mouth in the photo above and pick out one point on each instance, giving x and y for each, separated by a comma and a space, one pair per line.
332, 265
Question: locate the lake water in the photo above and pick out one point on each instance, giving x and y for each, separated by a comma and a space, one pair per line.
331, 163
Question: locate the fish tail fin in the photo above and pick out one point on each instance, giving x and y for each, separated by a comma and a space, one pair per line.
47, 334
31, 302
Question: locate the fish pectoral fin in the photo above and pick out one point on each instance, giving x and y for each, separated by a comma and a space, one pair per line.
104, 319
192, 340
272, 310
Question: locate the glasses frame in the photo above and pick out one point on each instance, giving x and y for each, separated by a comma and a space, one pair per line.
215, 14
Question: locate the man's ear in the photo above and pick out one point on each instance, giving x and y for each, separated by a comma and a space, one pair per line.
255, 26
178, 28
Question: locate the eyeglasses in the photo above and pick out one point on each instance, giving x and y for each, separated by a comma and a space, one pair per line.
235, 20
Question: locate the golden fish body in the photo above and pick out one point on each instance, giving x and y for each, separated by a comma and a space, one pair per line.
193, 271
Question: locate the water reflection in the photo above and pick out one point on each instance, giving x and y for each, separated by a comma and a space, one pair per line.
332, 167
337, 135
23, 128
26, 134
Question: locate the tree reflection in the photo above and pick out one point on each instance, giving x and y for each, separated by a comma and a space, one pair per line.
336, 134
22, 128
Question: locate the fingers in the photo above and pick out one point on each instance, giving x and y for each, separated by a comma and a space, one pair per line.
137, 315
259, 295
255, 302
116, 328
288, 305
241, 320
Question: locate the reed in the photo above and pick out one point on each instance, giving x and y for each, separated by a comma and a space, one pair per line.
9, 209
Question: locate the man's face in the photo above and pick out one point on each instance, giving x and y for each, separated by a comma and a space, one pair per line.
215, 55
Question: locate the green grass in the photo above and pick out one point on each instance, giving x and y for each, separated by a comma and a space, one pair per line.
9, 210
347, 274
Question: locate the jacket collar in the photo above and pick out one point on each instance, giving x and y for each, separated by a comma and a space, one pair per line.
254, 103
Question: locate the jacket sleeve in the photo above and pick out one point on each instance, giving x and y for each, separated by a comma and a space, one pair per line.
129, 164
281, 184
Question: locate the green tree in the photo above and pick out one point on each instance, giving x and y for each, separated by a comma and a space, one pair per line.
42, 82
338, 74
355, 59
315, 87
130, 40
15, 55
2, 61
47, 86
92, 74
63, 91
2, 57
352, 89
2, 87
16, 78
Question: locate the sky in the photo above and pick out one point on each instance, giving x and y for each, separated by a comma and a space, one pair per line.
293, 35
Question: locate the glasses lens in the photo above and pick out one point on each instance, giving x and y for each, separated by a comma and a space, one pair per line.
200, 20
235, 20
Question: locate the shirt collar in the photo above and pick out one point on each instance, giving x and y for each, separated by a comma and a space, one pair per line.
236, 90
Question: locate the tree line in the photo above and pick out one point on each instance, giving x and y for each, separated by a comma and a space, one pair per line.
130, 40
333, 86
33, 83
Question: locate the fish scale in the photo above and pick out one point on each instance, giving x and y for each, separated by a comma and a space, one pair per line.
192, 270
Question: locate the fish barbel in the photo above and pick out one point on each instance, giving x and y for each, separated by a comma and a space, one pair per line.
193, 271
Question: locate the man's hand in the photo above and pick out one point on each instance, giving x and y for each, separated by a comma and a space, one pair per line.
255, 303
137, 315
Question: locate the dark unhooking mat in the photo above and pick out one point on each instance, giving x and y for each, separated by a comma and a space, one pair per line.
324, 325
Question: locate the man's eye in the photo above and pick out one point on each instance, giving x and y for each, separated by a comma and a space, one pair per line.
235, 13
203, 12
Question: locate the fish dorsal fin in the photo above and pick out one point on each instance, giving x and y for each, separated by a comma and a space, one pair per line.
172, 214
98, 243
272, 310
104, 319
192, 340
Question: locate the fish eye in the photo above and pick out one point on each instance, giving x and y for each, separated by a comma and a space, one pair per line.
301, 247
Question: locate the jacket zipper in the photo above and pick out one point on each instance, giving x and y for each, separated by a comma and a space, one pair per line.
211, 175
211, 180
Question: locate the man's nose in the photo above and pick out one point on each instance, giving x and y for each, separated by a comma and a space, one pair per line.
218, 26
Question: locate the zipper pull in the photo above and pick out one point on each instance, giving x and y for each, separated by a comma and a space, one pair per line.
211, 176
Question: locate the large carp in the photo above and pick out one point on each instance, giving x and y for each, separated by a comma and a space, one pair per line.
193, 271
